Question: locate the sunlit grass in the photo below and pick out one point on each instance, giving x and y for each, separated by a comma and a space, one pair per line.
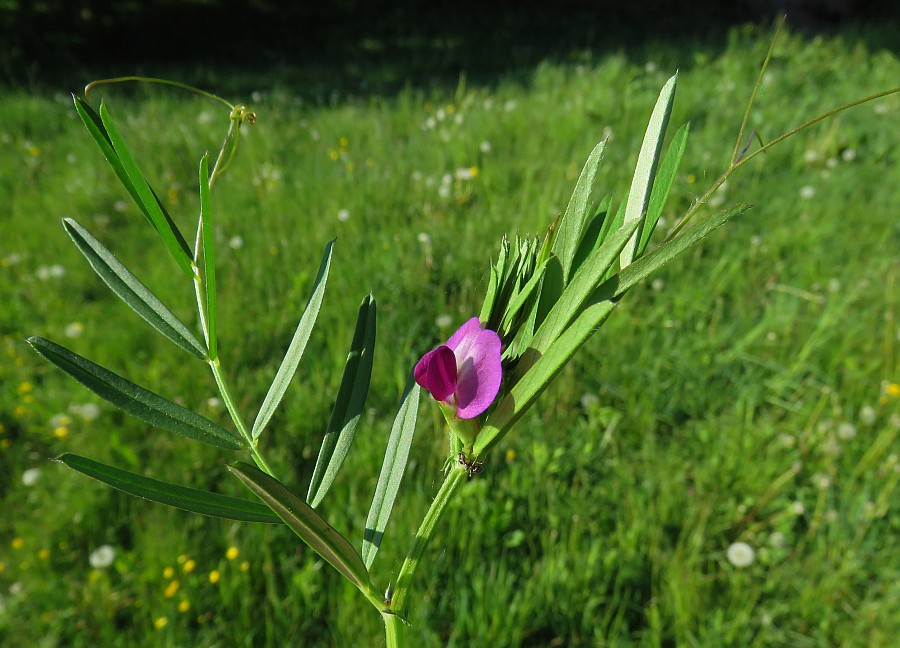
748, 396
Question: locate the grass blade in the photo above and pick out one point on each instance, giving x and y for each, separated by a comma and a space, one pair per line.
648, 159
349, 404
571, 226
392, 470
130, 289
209, 259
146, 197
298, 345
307, 524
134, 399
188, 499
665, 177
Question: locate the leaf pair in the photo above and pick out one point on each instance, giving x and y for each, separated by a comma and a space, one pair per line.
111, 143
594, 260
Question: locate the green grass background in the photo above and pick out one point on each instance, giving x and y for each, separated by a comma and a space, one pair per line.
744, 395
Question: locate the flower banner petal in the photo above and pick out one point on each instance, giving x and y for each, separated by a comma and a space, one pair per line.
479, 372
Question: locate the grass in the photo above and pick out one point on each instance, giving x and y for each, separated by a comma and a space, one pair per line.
749, 393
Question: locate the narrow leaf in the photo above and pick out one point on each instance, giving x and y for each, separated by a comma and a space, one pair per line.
130, 290
573, 222
392, 470
348, 407
97, 130
665, 177
648, 158
583, 283
147, 199
298, 345
209, 259
134, 399
544, 368
619, 283
188, 499
307, 524
592, 238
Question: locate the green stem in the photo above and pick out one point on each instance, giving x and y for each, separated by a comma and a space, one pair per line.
393, 624
236, 416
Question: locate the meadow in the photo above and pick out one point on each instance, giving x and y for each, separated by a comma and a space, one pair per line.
749, 392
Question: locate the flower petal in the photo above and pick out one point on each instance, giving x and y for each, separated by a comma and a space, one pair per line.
436, 372
479, 370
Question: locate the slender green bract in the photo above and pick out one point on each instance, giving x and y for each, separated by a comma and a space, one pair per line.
134, 399
309, 526
392, 470
348, 407
130, 289
665, 177
188, 499
297, 346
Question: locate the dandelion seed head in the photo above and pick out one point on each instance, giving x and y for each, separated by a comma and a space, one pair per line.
102, 557
740, 554
846, 431
31, 476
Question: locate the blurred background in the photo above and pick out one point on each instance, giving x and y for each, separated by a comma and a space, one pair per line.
718, 466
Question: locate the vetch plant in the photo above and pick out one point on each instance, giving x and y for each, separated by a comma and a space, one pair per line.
545, 297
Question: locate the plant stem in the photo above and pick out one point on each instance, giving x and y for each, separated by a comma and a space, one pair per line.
236, 416
394, 625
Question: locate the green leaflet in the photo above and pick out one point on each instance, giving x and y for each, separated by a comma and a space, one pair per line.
571, 226
209, 259
130, 290
298, 344
663, 185
392, 470
309, 526
145, 196
188, 499
348, 406
134, 399
645, 170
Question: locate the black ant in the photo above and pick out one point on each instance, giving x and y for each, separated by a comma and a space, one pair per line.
472, 467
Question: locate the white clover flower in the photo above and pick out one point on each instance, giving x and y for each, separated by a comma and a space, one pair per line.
510, 105
797, 508
429, 123
235, 242
867, 415
657, 284
821, 481
343, 215
787, 440
650, 67
465, 173
810, 156
846, 431
444, 191
89, 411
74, 329
485, 147
440, 115
807, 192
848, 155
443, 321
830, 163
102, 557
589, 400
424, 238
740, 554
31, 476
777, 539
213, 403
60, 420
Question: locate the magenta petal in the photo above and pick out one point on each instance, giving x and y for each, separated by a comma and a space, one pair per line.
479, 371
436, 372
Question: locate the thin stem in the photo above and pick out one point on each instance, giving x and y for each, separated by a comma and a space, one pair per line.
93, 84
735, 165
451, 484
236, 416
756, 86
394, 635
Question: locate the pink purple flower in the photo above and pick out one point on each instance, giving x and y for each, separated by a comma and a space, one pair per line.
465, 372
